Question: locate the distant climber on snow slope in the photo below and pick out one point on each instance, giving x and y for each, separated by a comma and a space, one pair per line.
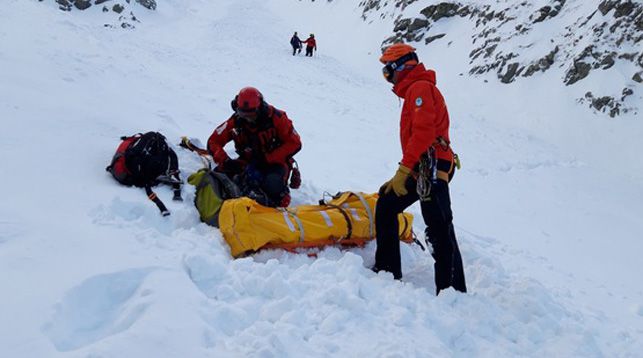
311, 45
295, 42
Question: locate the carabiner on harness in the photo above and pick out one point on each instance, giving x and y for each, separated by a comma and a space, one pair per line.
427, 172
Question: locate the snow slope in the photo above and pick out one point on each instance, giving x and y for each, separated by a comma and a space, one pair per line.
547, 206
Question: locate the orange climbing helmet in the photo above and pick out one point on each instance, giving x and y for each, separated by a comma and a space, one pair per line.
397, 51
397, 57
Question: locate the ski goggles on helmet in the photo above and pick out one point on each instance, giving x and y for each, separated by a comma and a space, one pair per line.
398, 65
249, 114
247, 110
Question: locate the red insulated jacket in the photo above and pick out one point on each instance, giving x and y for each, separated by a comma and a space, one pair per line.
272, 140
424, 116
310, 42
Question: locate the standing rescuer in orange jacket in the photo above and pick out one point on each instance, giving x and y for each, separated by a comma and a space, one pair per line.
424, 172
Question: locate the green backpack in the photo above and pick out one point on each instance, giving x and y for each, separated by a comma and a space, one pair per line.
212, 189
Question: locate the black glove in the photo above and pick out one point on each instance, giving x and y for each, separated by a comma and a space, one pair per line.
233, 166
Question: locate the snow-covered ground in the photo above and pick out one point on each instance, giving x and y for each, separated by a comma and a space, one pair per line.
547, 207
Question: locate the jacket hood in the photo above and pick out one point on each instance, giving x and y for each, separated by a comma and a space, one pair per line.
417, 73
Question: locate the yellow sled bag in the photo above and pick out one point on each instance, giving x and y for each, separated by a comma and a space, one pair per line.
347, 219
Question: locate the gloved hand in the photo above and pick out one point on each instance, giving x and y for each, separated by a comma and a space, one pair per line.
233, 166
398, 182
253, 174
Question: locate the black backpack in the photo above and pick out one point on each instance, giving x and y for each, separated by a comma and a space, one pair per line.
145, 160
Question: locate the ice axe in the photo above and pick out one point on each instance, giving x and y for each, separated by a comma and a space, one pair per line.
188, 144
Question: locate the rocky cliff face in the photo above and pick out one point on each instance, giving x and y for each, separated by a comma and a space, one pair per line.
517, 40
122, 10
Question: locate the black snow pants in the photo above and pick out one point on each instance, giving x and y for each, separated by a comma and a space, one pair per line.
438, 218
309, 51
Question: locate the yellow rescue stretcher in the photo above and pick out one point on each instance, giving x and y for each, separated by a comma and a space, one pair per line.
348, 220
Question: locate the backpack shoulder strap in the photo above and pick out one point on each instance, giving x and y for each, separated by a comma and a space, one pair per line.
159, 204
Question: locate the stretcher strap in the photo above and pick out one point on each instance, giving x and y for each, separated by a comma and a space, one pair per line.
349, 224
353, 212
327, 219
287, 213
287, 220
302, 235
369, 212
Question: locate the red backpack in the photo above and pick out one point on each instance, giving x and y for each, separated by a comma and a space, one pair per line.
117, 167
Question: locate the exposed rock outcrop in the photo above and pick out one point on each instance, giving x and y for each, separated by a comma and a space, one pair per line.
118, 8
503, 41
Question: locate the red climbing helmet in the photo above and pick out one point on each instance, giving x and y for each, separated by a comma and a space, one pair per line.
248, 100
